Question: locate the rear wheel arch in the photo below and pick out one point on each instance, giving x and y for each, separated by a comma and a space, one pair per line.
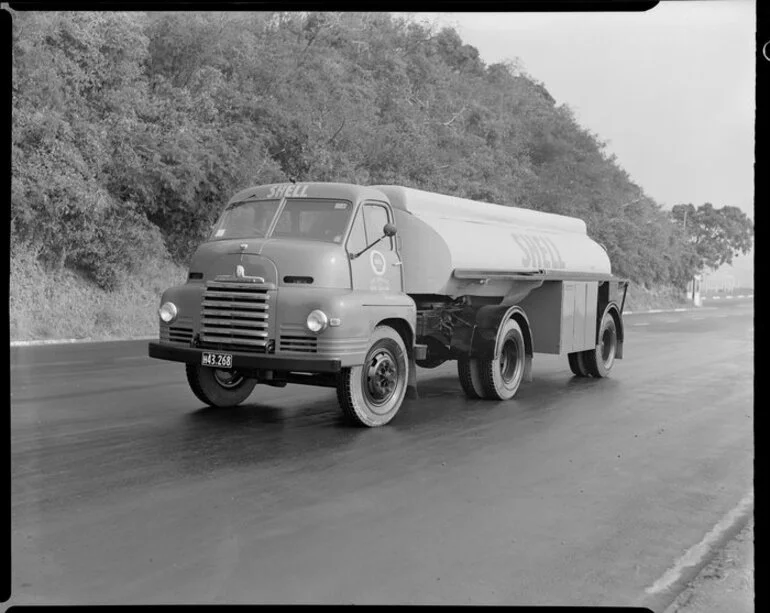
521, 317
613, 309
492, 319
598, 361
611, 295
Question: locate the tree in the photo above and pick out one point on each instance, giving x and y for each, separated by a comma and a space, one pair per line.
717, 235
78, 81
144, 124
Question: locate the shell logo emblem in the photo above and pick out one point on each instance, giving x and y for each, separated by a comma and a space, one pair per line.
378, 262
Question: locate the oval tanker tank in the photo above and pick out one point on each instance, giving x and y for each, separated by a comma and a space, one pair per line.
454, 246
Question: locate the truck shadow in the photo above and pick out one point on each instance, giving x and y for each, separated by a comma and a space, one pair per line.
244, 415
312, 432
440, 398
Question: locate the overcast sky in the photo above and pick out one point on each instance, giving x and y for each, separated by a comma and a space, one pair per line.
670, 89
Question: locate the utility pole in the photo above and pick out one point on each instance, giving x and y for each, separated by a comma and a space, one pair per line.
696, 278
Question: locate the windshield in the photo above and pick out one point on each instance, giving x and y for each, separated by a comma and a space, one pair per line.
246, 220
313, 219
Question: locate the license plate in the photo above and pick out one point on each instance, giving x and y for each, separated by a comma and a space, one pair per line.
217, 360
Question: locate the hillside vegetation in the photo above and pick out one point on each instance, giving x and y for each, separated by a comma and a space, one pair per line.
131, 130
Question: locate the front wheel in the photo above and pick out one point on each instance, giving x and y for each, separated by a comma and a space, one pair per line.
218, 387
599, 361
371, 394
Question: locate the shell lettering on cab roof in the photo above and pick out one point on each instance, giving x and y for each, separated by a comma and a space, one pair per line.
296, 190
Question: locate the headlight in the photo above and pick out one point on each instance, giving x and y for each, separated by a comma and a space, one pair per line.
168, 312
317, 321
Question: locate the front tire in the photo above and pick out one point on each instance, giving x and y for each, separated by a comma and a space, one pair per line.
599, 361
371, 394
218, 387
501, 376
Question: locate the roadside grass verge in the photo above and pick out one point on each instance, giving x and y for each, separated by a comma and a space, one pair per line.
640, 298
66, 305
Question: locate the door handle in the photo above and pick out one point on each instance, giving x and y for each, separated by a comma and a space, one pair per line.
396, 263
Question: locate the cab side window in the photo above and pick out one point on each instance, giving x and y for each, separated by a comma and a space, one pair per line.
376, 216
357, 240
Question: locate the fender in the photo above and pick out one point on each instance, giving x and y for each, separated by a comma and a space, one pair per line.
406, 329
486, 337
613, 308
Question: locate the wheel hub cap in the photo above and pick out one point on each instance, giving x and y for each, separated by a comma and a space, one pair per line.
508, 360
381, 377
608, 346
227, 378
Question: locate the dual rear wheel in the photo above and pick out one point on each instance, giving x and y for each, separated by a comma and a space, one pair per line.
497, 378
597, 362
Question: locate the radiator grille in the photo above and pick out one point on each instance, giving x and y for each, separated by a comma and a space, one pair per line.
176, 334
299, 344
235, 314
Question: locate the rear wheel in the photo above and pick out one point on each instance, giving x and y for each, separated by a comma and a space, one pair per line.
371, 394
577, 364
599, 361
470, 377
218, 387
501, 376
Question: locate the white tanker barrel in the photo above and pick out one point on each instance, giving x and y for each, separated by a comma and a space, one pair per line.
454, 246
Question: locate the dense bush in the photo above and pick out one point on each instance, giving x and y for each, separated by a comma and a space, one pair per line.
131, 130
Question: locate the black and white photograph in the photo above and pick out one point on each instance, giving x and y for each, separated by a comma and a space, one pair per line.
381, 307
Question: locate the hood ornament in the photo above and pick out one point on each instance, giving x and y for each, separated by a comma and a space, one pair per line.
240, 273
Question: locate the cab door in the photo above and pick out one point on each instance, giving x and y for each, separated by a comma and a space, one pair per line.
378, 269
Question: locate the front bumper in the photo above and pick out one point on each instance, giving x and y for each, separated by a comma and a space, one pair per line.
246, 361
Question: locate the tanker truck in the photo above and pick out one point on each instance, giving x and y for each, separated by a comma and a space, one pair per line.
353, 287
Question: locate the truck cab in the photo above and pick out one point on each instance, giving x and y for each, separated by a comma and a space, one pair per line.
290, 287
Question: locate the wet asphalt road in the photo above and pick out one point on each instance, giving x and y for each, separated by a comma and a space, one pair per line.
577, 492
